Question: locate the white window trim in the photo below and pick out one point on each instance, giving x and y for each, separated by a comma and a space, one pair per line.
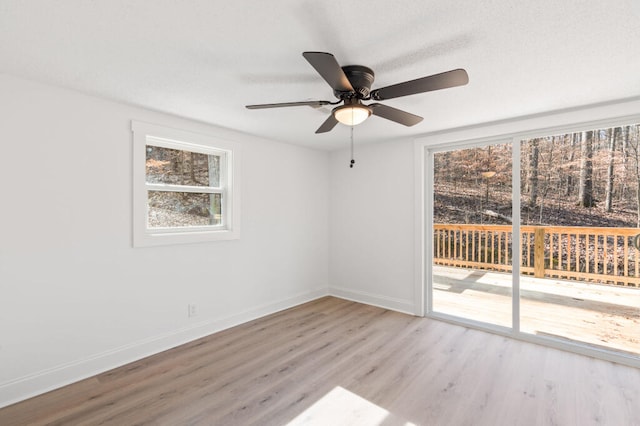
167, 137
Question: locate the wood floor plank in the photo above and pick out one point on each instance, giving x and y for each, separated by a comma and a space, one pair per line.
332, 361
218, 367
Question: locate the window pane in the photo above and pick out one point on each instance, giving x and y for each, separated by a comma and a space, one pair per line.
181, 209
472, 235
177, 167
580, 273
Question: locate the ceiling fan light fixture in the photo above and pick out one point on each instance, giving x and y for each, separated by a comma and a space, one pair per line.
352, 114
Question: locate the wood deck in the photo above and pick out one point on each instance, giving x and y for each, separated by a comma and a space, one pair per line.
602, 315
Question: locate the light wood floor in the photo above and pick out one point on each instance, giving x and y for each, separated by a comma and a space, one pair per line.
332, 362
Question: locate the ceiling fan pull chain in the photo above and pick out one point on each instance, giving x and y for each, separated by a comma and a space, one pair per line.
352, 160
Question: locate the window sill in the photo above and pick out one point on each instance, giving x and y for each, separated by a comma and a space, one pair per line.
151, 239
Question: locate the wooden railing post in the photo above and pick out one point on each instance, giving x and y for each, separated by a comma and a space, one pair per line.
538, 252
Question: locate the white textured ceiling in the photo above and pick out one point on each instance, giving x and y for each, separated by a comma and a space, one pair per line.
206, 59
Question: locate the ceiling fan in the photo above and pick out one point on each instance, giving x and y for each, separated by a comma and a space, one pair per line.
351, 84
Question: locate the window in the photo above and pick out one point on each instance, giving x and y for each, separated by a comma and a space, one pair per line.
186, 187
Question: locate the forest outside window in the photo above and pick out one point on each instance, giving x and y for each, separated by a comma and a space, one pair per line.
184, 189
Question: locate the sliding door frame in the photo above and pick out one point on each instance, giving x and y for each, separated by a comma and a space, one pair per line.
513, 132
429, 193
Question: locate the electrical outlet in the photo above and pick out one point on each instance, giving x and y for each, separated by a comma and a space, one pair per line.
192, 310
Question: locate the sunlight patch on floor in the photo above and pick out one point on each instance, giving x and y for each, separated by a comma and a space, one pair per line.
341, 407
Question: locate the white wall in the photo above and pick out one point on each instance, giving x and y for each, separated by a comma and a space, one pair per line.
76, 298
376, 215
371, 243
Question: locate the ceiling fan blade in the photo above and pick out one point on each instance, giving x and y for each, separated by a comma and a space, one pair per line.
327, 66
328, 125
395, 114
443, 80
289, 104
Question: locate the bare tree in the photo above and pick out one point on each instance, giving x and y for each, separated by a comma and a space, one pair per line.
610, 174
574, 139
532, 173
585, 188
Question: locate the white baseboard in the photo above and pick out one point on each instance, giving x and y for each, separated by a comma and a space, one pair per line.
35, 384
400, 305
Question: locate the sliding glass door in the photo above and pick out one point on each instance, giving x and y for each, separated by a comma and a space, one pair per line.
562, 212
472, 244
579, 218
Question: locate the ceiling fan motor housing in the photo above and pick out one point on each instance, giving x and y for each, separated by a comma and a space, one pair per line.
361, 78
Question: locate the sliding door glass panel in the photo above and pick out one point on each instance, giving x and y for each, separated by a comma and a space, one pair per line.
579, 218
472, 239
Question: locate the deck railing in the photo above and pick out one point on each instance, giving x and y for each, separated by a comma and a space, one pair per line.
603, 255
